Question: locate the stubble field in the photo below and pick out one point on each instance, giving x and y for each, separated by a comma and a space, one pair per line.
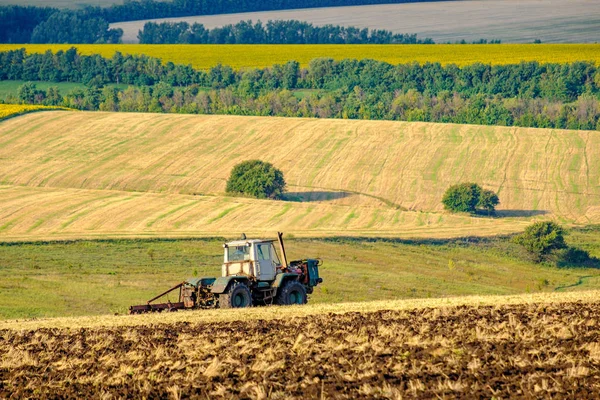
155, 174
534, 350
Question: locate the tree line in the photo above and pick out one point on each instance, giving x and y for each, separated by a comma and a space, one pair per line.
28, 24
526, 94
274, 32
527, 80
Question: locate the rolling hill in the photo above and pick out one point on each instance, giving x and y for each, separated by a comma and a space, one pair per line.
71, 174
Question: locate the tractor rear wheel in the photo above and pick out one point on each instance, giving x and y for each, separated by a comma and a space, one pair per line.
292, 292
237, 296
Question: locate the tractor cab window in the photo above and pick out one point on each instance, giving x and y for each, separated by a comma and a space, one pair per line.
263, 251
274, 255
238, 253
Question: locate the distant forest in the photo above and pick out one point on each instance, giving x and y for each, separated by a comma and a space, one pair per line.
527, 94
273, 32
29, 24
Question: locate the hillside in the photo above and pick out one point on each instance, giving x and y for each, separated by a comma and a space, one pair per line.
77, 173
47, 213
552, 21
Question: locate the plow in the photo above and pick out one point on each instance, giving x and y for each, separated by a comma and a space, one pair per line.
252, 274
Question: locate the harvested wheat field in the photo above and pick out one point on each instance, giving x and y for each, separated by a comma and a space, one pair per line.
528, 350
50, 214
165, 174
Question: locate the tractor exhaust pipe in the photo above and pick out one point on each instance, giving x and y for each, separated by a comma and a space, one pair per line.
280, 237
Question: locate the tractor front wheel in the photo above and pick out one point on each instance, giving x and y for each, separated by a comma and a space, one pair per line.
237, 296
292, 292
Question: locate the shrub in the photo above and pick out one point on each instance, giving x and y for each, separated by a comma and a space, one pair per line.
575, 257
468, 197
256, 178
488, 201
541, 238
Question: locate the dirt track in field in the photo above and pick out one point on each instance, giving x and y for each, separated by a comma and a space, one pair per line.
516, 351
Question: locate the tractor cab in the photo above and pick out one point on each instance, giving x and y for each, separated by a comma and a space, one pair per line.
253, 258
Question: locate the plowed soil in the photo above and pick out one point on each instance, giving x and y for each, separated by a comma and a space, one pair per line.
515, 351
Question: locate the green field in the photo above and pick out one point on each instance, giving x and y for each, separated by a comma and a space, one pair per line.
10, 88
260, 56
46, 279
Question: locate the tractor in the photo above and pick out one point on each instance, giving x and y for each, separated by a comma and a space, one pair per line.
252, 274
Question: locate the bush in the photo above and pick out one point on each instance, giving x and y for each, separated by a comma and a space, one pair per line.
488, 201
468, 197
541, 238
257, 179
572, 256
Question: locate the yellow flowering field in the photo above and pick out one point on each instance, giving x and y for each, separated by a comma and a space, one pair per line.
12, 110
258, 56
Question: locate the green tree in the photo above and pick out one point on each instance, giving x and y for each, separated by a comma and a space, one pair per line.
28, 92
53, 97
469, 197
256, 178
463, 197
488, 201
541, 238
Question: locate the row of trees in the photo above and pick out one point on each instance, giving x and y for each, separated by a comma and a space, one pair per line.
75, 27
49, 25
372, 81
274, 32
19, 24
582, 114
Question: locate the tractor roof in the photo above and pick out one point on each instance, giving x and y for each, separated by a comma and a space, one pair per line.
248, 241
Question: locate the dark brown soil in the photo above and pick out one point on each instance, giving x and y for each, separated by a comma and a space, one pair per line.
527, 351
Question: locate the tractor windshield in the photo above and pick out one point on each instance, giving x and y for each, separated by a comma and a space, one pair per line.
238, 253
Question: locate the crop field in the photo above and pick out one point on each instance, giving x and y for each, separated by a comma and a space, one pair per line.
528, 350
157, 174
260, 56
13, 110
523, 21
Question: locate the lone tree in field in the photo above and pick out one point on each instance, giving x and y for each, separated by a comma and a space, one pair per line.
468, 197
541, 238
488, 201
257, 179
